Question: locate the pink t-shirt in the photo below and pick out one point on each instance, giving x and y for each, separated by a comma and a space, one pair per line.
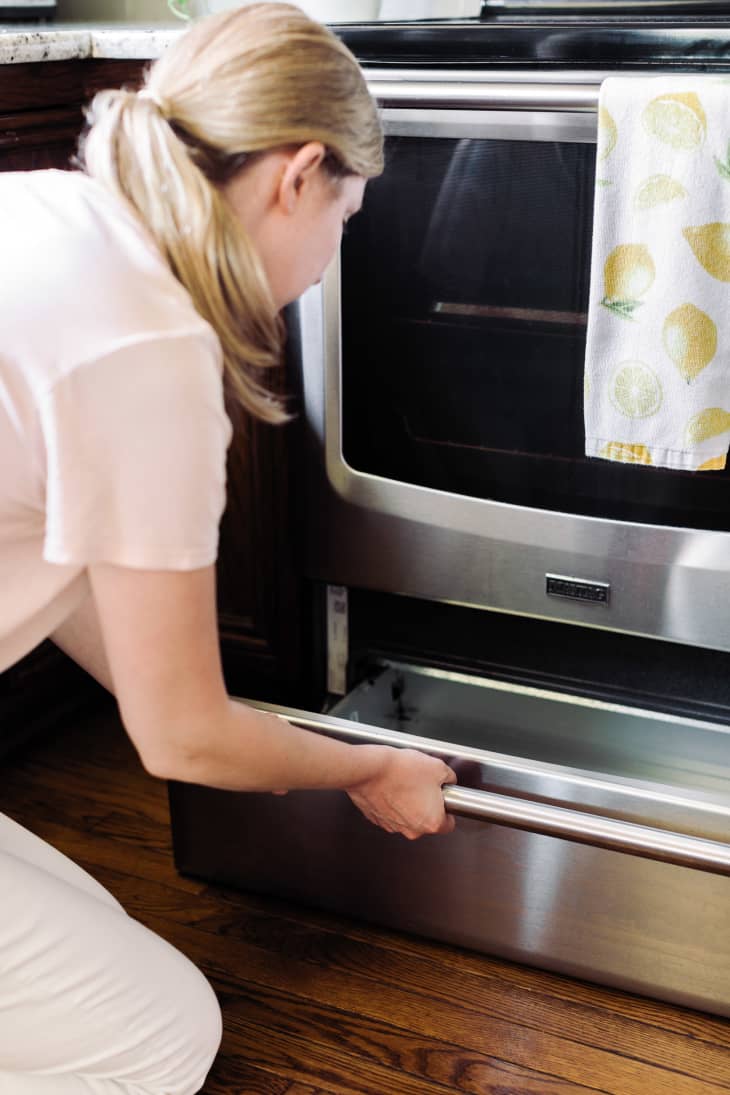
113, 432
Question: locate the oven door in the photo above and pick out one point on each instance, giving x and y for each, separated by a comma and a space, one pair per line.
442, 364
591, 838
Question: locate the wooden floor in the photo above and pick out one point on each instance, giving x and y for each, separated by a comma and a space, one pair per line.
314, 1005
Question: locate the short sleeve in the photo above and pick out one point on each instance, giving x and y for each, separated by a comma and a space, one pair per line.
136, 450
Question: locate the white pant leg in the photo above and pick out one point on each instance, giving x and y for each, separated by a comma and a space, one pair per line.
91, 1002
25, 845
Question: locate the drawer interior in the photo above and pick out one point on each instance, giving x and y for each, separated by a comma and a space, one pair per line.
545, 727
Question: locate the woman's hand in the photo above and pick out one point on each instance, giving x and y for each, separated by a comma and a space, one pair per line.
404, 796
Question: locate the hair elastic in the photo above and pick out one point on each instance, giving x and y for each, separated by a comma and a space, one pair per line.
147, 94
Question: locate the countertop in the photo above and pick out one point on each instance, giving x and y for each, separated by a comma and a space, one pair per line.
20, 42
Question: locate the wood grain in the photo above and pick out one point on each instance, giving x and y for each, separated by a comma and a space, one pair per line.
316, 1005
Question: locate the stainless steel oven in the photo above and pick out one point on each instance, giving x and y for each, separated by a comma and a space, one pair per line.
556, 628
443, 380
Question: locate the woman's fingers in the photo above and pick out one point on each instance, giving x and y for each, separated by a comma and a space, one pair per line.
406, 795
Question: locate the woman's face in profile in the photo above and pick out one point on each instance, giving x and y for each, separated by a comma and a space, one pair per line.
315, 235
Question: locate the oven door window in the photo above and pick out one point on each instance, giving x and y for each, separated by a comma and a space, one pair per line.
464, 296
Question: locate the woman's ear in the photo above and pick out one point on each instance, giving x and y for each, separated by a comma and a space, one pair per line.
299, 170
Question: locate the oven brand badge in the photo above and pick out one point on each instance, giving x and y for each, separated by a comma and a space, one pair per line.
577, 589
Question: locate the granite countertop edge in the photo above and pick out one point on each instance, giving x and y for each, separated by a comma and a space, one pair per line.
19, 44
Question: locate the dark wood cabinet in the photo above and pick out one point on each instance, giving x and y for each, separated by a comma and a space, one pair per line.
260, 596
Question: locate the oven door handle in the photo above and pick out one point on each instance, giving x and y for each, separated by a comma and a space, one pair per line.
579, 826
587, 828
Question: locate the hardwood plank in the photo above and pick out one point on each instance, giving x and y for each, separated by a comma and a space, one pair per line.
348, 1073
233, 1073
610, 1069
356, 1038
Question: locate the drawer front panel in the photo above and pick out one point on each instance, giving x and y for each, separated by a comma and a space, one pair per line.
642, 926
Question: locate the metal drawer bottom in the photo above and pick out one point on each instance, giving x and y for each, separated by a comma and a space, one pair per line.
592, 839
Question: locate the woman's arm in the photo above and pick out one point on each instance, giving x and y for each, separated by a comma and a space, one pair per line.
159, 631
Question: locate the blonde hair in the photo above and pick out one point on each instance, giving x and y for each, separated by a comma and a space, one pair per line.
256, 78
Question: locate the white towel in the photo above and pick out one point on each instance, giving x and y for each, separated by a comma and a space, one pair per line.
657, 378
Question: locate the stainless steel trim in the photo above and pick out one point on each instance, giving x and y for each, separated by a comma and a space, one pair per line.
582, 828
494, 88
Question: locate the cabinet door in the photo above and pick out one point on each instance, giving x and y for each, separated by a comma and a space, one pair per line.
260, 596
40, 114
42, 108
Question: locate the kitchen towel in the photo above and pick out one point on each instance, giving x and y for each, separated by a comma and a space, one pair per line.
657, 375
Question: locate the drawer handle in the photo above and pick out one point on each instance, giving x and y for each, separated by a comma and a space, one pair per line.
578, 826
585, 828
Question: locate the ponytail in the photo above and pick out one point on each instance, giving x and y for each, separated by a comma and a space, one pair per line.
132, 149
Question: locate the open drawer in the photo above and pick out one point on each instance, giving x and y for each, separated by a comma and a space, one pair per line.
591, 839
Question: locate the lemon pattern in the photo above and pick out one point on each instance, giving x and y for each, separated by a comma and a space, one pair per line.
658, 190
715, 463
607, 134
626, 454
657, 377
628, 274
708, 423
690, 339
677, 119
635, 390
711, 246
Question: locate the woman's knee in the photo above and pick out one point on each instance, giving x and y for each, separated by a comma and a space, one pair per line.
203, 1030
181, 1025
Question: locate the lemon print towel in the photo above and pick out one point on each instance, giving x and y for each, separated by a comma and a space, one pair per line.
657, 383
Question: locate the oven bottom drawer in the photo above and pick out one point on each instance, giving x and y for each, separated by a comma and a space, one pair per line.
614, 868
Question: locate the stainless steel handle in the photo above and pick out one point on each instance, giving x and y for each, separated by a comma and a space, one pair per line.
578, 826
584, 828
503, 96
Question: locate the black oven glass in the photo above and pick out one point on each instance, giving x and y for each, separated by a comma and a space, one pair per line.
464, 297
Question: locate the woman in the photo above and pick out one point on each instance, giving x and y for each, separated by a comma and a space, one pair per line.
134, 294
